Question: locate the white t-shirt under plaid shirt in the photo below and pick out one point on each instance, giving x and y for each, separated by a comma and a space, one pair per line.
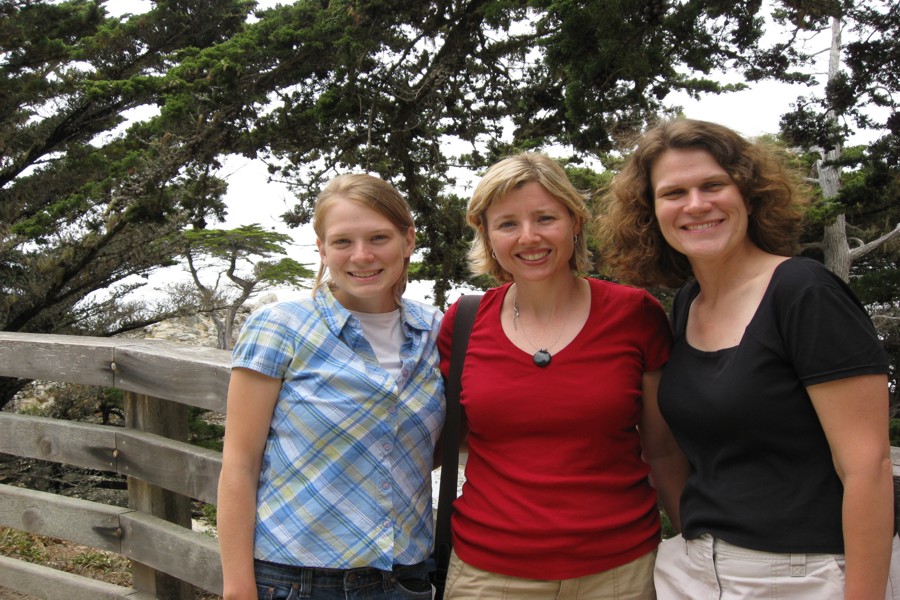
346, 474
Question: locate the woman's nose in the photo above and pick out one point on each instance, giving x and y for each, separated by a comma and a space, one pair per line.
695, 201
362, 252
529, 233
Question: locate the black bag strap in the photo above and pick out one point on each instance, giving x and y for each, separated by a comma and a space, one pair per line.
466, 308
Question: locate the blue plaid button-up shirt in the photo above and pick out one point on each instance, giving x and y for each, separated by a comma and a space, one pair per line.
346, 475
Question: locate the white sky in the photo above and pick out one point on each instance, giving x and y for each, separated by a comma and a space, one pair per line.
251, 199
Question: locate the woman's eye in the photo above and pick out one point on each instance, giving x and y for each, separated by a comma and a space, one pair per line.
668, 194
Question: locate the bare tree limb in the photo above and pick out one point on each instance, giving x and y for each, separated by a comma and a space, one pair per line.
860, 251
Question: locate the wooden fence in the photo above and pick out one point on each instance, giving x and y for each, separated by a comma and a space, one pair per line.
161, 379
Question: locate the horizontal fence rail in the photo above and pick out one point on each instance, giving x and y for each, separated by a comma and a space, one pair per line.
191, 375
162, 379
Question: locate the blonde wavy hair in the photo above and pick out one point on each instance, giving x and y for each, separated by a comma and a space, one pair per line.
633, 247
511, 173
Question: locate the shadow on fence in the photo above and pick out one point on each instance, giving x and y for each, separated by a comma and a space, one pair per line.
161, 380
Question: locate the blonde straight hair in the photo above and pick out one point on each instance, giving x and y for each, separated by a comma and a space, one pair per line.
512, 173
371, 192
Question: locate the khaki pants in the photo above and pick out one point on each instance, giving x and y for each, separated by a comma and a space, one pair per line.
712, 569
632, 581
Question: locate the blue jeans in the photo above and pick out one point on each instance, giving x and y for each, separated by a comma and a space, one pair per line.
284, 582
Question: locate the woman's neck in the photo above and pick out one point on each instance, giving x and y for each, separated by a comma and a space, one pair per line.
546, 299
720, 278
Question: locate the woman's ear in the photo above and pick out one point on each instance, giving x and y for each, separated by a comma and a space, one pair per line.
410, 240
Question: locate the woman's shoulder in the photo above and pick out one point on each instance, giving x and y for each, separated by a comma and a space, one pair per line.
802, 285
421, 314
487, 298
611, 290
285, 311
799, 273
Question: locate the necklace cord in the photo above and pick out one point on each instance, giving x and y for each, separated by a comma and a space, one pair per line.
542, 356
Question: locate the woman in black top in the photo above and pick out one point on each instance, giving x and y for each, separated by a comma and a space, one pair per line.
776, 387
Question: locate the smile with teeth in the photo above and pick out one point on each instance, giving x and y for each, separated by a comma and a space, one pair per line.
364, 274
535, 255
701, 226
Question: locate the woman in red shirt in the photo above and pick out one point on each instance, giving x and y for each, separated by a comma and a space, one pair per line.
559, 393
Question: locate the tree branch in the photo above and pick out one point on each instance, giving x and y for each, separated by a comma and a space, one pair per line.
860, 251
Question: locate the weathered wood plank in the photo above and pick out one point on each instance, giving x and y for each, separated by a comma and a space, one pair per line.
192, 375
161, 417
52, 584
182, 553
40, 513
73, 359
185, 554
188, 374
176, 466
79, 444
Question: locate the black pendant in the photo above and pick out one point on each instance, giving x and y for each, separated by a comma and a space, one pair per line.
542, 358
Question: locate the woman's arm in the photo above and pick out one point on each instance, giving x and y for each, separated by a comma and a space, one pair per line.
854, 415
251, 403
669, 468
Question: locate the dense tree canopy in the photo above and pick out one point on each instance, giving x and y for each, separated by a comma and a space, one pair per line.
395, 88
112, 129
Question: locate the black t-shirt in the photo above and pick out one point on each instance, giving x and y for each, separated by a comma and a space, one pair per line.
762, 475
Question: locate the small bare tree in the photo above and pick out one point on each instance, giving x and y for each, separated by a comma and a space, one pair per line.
236, 253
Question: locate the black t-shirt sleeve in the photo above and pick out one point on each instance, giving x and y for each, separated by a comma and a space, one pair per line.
827, 333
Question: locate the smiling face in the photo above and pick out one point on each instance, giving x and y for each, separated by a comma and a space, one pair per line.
531, 233
700, 210
365, 254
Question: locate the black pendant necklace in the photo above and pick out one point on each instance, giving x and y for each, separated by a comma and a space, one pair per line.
542, 357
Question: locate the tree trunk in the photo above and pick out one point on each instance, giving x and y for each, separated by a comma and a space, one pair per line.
836, 247
837, 250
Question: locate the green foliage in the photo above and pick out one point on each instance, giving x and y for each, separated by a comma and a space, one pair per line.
209, 514
895, 432
95, 559
871, 53
879, 283
668, 531
22, 546
86, 206
76, 402
202, 432
809, 129
235, 254
244, 241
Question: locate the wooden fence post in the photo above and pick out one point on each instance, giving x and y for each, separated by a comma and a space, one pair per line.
168, 419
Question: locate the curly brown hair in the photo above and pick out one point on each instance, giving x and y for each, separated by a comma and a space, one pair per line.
633, 247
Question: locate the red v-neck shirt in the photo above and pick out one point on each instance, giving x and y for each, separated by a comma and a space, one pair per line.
555, 485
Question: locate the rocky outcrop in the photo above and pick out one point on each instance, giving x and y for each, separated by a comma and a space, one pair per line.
199, 329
